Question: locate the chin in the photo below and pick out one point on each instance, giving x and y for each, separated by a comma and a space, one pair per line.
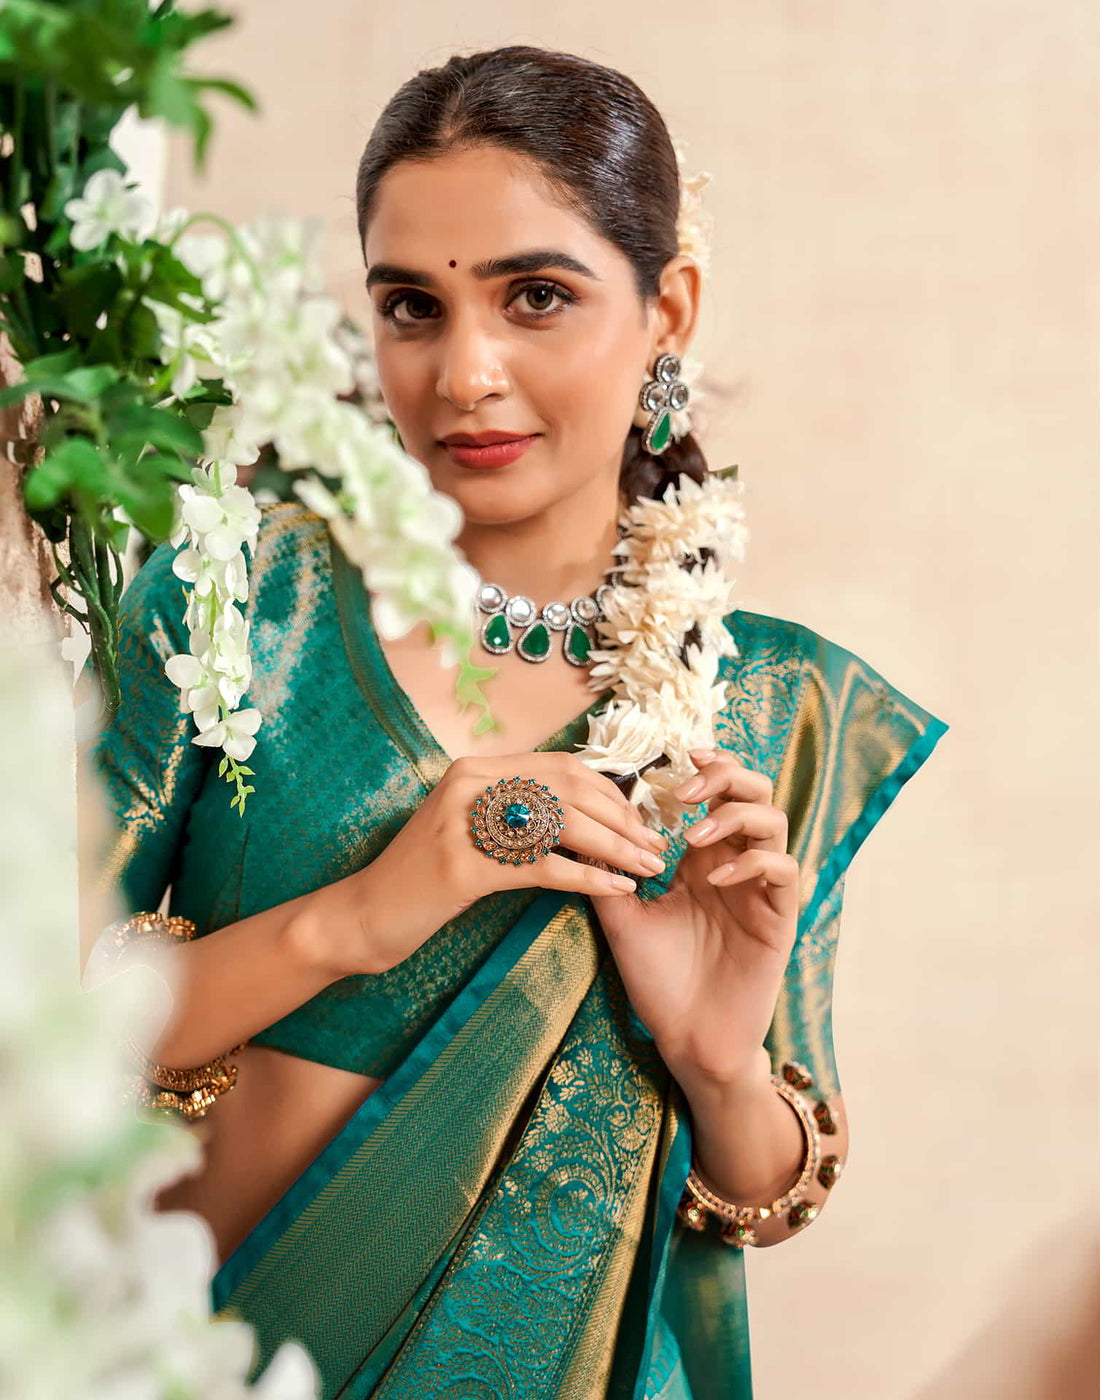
488, 503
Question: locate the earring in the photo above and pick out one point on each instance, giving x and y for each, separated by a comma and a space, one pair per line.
664, 394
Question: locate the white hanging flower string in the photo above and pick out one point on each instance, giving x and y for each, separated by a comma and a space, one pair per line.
275, 343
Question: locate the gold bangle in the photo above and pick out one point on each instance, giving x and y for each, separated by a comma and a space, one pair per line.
188, 1093
738, 1221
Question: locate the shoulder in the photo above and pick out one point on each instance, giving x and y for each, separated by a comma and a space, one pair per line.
292, 562
764, 636
800, 703
292, 542
822, 666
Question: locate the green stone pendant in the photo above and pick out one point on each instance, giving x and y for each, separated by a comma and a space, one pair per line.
534, 644
495, 634
577, 645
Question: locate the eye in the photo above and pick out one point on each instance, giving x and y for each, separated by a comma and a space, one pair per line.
388, 309
541, 298
545, 289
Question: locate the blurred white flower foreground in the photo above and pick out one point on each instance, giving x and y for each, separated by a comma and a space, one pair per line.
101, 1298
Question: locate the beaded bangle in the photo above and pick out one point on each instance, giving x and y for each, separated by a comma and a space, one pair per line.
186, 1092
698, 1201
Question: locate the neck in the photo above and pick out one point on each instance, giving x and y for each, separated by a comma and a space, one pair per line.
555, 555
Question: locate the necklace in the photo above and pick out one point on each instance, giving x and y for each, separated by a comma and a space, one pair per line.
534, 643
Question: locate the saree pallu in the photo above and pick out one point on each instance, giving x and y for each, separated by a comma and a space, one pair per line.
498, 1219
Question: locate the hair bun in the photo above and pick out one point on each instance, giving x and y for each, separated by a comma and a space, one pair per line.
643, 474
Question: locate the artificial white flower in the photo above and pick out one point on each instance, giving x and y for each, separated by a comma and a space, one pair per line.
190, 346
221, 520
107, 206
623, 737
228, 576
234, 734
225, 440
198, 684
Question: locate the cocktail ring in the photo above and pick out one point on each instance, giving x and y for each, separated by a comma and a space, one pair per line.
516, 820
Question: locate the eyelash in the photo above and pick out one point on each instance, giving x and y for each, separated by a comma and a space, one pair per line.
386, 310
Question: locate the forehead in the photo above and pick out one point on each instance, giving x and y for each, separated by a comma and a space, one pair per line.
468, 205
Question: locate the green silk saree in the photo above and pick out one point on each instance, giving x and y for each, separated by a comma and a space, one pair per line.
499, 1218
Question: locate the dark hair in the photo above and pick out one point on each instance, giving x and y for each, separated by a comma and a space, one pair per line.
599, 142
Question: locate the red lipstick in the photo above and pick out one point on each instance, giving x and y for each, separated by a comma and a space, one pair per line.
488, 449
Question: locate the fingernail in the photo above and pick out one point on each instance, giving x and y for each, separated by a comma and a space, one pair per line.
703, 755
702, 829
650, 861
623, 882
691, 788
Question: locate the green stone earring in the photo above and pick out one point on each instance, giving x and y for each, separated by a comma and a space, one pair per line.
664, 394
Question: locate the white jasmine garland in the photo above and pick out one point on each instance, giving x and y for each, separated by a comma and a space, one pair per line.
662, 705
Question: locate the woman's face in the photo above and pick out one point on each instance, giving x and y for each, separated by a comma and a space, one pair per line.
468, 340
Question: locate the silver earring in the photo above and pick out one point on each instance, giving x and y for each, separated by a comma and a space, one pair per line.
664, 394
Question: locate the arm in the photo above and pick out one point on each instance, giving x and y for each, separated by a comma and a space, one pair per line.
854, 741
749, 1143
240, 979
142, 775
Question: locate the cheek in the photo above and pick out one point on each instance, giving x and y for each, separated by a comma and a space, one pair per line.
586, 382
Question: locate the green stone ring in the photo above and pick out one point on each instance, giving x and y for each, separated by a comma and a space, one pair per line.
515, 820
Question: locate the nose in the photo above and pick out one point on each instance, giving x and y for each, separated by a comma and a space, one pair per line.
471, 367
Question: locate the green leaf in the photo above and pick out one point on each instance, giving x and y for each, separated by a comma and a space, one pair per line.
79, 385
86, 293
231, 89
149, 504
159, 427
75, 464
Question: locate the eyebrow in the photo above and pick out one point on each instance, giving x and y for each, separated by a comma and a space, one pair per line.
530, 261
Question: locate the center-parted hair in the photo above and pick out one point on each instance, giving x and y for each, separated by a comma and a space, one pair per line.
597, 140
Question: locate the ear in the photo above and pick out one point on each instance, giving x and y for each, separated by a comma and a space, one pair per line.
677, 308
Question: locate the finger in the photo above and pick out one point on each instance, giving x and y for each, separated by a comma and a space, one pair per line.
554, 872
586, 836
723, 777
752, 820
572, 783
777, 872
597, 796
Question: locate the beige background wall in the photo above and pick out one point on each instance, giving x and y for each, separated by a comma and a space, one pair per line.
901, 336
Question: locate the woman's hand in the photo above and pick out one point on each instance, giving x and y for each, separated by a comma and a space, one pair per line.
703, 964
432, 871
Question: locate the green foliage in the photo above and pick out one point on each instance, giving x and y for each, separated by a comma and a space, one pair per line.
113, 435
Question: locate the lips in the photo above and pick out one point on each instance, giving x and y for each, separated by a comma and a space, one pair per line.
482, 439
488, 449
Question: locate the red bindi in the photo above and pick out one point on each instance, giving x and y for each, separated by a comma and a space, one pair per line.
453, 263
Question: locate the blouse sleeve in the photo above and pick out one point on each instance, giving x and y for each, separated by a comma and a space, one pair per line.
148, 770
855, 740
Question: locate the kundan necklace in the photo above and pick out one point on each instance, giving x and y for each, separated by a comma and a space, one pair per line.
538, 626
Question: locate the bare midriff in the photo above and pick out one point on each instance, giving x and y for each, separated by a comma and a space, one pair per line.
258, 1138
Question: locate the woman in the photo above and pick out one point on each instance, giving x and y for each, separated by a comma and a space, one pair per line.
472, 1093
